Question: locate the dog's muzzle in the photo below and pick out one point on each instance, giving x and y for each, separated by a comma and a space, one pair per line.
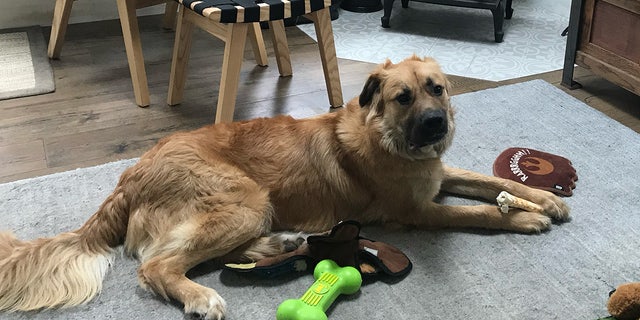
428, 128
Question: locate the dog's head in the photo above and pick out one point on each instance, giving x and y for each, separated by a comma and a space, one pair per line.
409, 104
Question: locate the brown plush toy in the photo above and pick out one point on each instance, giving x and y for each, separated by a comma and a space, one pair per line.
537, 169
624, 302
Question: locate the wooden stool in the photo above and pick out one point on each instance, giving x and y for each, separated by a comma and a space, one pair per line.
229, 21
130, 33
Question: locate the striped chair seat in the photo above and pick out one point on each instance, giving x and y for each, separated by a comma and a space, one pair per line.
233, 11
237, 22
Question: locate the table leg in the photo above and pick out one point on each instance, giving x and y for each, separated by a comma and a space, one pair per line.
498, 21
508, 10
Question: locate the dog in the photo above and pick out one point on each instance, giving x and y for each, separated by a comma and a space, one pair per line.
225, 190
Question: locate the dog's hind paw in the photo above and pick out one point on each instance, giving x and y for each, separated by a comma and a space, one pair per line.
290, 241
211, 307
269, 246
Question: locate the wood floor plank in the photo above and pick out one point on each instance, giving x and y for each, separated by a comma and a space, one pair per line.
125, 141
22, 157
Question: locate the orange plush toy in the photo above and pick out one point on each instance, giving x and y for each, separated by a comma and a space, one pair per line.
624, 302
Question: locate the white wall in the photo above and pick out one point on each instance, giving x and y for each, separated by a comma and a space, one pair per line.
22, 13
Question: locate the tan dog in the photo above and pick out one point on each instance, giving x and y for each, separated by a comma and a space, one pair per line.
219, 191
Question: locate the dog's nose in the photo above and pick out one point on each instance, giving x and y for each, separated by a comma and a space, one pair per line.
431, 126
433, 121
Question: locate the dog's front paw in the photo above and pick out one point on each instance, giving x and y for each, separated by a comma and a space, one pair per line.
537, 200
210, 306
526, 222
554, 207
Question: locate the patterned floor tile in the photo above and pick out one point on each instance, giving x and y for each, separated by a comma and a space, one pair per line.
461, 39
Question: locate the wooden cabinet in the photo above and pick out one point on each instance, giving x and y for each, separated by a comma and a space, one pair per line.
604, 37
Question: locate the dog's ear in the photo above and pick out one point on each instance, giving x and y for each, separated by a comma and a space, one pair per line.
370, 87
447, 85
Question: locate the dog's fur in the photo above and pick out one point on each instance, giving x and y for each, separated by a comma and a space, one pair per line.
219, 191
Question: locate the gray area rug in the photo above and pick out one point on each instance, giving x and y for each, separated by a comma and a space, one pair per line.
24, 66
565, 273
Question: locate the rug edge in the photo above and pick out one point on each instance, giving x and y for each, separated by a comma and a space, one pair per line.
70, 172
45, 81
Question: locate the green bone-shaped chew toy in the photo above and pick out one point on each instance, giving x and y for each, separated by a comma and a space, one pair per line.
331, 281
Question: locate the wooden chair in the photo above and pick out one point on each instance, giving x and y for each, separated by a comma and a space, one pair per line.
229, 21
131, 34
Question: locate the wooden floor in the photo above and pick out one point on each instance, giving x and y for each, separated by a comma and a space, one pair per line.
92, 118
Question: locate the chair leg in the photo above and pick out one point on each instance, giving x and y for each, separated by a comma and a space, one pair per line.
257, 42
59, 24
324, 32
131, 35
180, 60
170, 11
231, 64
281, 47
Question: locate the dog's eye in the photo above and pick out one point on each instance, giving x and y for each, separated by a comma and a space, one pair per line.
437, 90
404, 98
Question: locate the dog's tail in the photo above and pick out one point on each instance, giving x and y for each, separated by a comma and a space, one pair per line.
65, 270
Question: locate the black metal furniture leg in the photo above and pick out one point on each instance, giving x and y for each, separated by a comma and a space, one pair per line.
572, 44
508, 10
387, 5
498, 21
